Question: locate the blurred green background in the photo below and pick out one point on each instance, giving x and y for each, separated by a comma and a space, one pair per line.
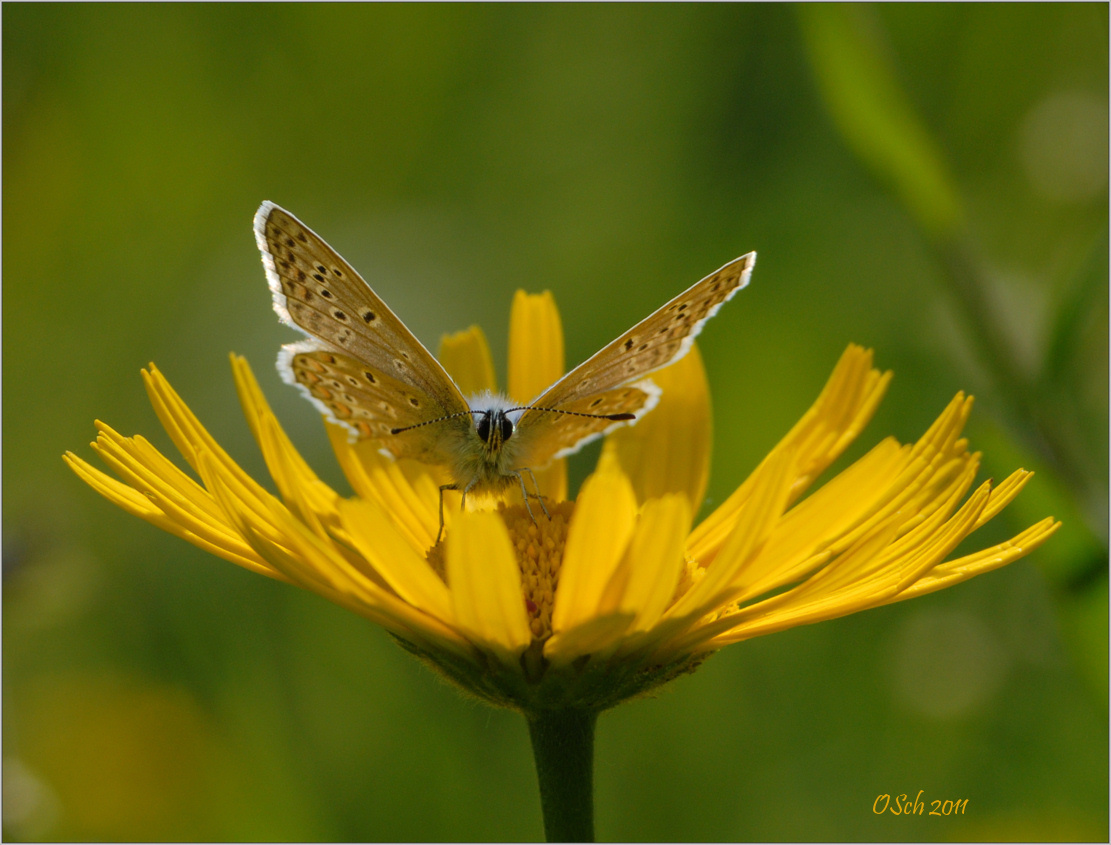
930, 181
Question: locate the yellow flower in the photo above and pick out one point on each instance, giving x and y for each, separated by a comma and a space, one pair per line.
614, 593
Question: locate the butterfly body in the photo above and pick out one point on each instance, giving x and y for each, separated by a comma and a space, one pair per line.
364, 369
486, 457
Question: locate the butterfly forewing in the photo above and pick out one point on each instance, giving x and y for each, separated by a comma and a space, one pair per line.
658, 340
318, 292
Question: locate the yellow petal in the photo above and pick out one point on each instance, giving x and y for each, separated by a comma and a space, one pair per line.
185, 429
312, 563
466, 357
954, 571
786, 610
139, 464
181, 502
645, 583
263, 522
310, 499
936, 542
1003, 494
120, 494
914, 546
536, 361
374, 536
668, 451
208, 534
536, 358
599, 533
597, 634
269, 435
875, 572
639, 589
412, 498
843, 408
751, 530
249, 509
821, 520
485, 583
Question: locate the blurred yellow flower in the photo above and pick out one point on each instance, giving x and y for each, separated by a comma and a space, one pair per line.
615, 593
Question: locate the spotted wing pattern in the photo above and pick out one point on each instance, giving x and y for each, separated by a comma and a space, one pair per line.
565, 433
318, 292
660, 339
372, 403
363, 368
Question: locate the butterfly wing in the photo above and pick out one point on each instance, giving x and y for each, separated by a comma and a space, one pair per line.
370, 402
354, 336
582, 421
603, 384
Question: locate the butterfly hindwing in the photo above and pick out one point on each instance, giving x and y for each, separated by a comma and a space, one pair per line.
545, 436
318, 292
370, 402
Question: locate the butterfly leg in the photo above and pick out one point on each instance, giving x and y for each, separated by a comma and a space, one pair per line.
524, 493
443, 487
539, 498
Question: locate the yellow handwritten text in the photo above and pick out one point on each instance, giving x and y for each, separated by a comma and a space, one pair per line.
902, 805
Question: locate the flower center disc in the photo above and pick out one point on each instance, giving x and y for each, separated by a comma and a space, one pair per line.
539, 549
538, 544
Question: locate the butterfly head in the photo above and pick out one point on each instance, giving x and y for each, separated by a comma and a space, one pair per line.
497, 421
494, 427
494, 417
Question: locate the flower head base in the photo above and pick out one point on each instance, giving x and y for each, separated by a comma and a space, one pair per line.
614, 594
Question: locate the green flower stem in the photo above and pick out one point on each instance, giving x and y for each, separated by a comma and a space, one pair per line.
563, 747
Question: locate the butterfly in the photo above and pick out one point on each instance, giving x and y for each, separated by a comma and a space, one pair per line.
365, 370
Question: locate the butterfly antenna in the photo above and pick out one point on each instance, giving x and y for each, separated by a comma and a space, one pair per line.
614, 417
432, 422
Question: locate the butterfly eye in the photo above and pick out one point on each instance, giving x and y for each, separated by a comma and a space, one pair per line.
492, 423
482, 426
